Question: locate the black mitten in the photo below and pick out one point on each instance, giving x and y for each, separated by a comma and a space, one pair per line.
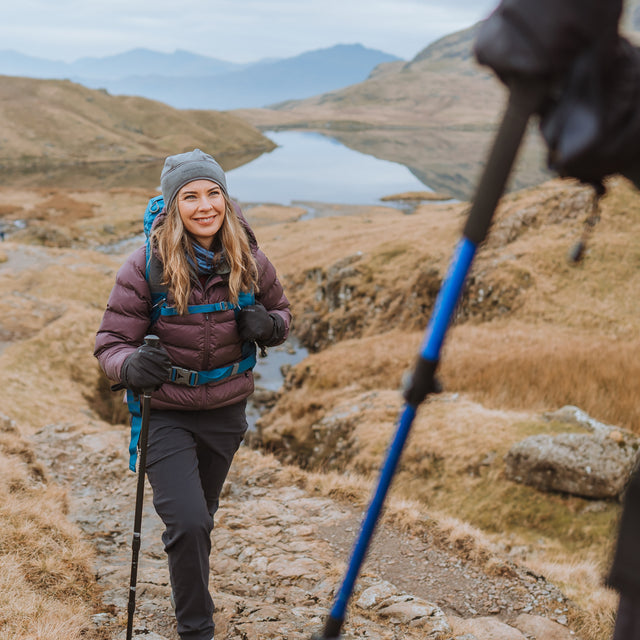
255, 323
592, 128
147, 368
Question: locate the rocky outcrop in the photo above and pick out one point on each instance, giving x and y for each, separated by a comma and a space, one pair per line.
350, 298
348, 301
592, 465
525, 627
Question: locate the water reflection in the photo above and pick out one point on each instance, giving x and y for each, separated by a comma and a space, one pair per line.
310, 167
305, 167
102, 175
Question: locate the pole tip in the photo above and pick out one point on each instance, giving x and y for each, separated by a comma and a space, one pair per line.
577, 252
331, 630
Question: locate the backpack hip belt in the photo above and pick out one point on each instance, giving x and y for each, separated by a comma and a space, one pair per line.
191, 378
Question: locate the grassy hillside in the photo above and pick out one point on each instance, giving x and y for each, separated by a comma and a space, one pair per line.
533, 334
49, 125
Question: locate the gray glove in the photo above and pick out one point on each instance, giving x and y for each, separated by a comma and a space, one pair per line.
589, 117
543, 38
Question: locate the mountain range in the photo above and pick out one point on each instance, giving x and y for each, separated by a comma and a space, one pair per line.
436, 114
188, 81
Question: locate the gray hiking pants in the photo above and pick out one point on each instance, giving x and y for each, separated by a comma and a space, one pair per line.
189, 454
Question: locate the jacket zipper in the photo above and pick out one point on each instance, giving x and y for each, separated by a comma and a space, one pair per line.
205, 351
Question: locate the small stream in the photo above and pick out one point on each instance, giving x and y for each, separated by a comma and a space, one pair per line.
268, 372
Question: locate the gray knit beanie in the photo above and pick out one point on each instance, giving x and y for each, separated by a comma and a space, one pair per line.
183, 168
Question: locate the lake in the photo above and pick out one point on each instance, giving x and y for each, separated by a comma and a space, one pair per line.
311, 167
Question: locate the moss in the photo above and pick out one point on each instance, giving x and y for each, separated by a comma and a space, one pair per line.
526, 428
506, 508
387, 254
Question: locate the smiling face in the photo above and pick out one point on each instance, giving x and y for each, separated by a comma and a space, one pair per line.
202, 206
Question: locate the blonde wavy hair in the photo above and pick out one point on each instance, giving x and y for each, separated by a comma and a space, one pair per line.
174, 244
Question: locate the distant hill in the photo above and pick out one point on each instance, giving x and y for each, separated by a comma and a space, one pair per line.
186, 81
52, 124
142, 62
435, 114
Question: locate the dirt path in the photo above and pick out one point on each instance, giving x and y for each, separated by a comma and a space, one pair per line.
279, 553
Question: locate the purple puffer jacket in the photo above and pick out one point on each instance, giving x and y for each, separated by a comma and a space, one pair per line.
195, 341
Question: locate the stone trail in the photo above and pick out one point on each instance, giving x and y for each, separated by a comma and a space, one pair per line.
279, 553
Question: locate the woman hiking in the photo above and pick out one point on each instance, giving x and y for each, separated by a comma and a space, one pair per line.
209, 257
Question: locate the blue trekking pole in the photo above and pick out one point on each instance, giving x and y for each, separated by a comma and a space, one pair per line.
523, 102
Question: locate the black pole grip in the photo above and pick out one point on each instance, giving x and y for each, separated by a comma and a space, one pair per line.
422, 382
524, 100
151, 340
331, 630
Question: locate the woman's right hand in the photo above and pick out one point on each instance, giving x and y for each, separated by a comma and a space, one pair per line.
147, 368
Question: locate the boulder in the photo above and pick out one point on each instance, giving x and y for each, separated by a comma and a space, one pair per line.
592, 465
404, 609
539, 627
484, 628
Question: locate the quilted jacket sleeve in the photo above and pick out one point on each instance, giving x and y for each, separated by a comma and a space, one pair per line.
127, 317
271, 293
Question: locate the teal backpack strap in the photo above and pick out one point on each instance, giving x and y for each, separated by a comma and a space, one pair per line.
198, 308
135, 409
153, 266
245, 299
159, 295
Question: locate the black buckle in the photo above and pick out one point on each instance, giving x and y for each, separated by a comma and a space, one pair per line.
187, 377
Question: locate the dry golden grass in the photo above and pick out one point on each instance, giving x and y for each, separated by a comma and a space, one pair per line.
47, 587
597, 603
563, 338
536, 367
48, 122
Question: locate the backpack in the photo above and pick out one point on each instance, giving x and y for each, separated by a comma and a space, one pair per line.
159, 307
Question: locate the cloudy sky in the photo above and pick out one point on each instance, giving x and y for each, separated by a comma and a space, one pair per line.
235, 30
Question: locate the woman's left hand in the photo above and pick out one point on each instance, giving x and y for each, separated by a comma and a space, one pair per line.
255, 323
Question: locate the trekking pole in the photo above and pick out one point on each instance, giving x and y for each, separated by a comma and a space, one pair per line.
523, 103
152, 341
